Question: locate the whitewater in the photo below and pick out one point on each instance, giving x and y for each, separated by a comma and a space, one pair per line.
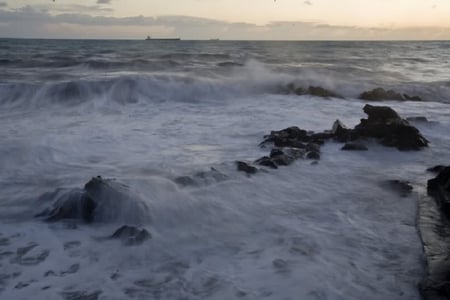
147, 113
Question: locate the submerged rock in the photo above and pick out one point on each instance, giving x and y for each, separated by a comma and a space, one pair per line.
131, 235
246, 168
403, 187
101, 200
380, 94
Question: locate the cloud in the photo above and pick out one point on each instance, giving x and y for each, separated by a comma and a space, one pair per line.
31, 21
3, 4
307, 2
103, 1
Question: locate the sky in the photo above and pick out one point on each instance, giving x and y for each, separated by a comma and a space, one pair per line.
227, 19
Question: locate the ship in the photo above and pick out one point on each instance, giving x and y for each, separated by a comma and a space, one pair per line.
161, 39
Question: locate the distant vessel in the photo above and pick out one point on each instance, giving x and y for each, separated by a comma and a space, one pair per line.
214, 39
161, 39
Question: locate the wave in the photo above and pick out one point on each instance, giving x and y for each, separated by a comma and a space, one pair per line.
235, 81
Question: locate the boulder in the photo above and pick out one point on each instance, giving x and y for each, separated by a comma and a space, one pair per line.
402, 187
380, 94
101, 200
316, 91
386, 125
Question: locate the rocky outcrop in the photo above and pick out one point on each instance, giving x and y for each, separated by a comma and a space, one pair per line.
101, 200
439, 188
384, 124
434, 224
380, 94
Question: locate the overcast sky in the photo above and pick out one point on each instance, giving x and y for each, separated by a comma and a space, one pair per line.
227, 19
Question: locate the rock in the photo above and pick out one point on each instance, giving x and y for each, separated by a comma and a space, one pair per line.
380, 94
439, 188
101, 200
245, 167
267, 162
341, 133
130, 235
316, 91
354, 147
436, 169
321, 92
313, 155
404, 188
391, 130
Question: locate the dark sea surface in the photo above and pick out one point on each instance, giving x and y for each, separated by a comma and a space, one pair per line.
147, 112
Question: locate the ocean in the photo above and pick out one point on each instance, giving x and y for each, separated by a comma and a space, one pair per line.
147, 113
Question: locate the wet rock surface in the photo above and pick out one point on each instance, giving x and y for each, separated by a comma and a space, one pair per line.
380, 94
101, 200
434, 224
316, 91
354, 147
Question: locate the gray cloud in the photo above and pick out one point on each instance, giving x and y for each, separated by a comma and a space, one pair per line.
307, 2
38, 22
3, 4
103, 1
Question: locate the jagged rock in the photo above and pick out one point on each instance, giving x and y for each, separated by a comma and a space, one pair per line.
391, 130
439, 188
341, 133
354, 147
131, 235
380, 94
245, 167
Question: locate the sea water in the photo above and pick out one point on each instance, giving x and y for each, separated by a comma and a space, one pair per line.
146, 112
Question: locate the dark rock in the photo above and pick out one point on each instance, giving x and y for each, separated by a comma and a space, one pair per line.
267, 162
404, 188
316, 91
354, 147
313, 147
321, 92
131, 235
439, 188
276, 152
380, 94
313, 155
391, 130
101, 200
341, 133
436, 169
245, 167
